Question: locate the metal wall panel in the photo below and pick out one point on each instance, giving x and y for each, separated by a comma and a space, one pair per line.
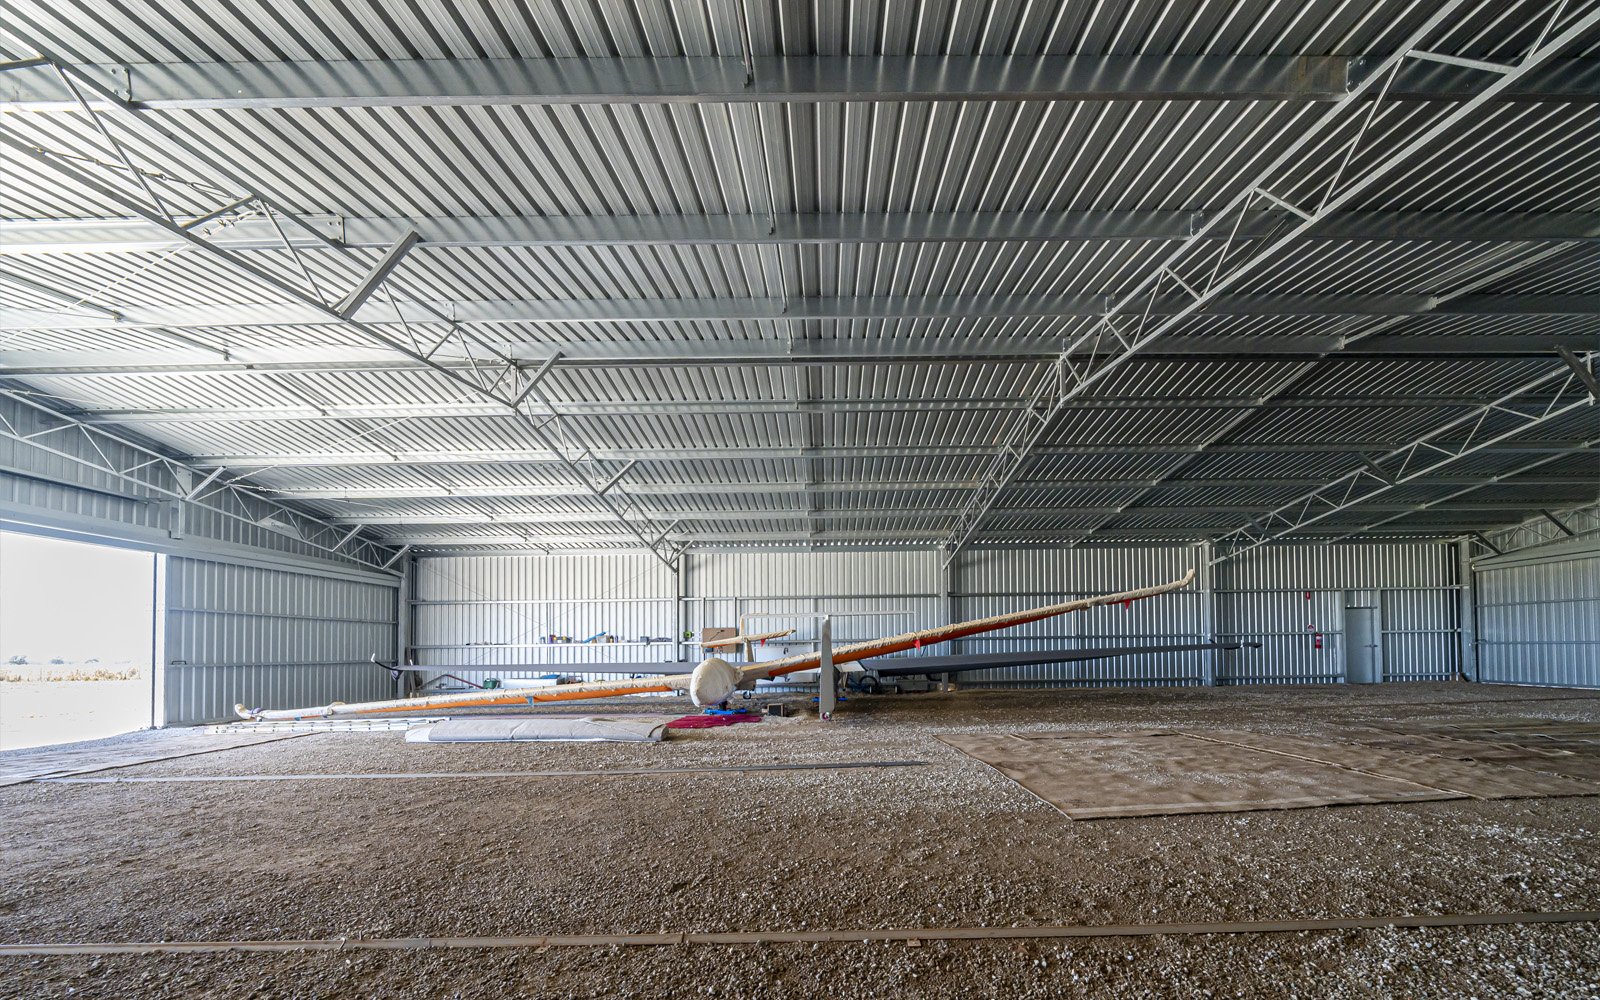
232, 631
480, 615
1281, 595
475, 616
272, 638
1540, 623
990, 582
515, 600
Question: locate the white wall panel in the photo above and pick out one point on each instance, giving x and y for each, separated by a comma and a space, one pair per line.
479, 616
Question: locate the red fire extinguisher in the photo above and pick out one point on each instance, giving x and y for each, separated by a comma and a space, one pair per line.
1316, 640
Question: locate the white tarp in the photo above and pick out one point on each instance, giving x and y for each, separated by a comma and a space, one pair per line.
513, 730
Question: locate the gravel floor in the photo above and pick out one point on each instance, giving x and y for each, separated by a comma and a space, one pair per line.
949, 844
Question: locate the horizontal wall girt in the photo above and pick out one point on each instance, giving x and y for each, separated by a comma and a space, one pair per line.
489, 312
24, 237
770, 79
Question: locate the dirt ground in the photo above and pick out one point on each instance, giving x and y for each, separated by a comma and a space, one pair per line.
949, 844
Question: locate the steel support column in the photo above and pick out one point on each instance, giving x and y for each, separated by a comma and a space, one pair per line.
827, 675
1467, 582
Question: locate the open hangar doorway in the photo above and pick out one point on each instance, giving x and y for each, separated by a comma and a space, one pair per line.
77, 640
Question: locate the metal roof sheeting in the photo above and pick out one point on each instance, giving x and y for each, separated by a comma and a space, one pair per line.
791, 388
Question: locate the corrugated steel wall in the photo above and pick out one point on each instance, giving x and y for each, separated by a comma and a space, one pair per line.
270, 638
994, 581
1280, 596
1540, 623
478, 613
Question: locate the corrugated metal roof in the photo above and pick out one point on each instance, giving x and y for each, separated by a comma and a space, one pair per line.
812, 390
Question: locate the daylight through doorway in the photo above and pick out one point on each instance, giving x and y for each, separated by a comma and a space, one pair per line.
76, 640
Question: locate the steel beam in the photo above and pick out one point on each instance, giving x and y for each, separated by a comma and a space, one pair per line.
1482, 482
492, 376
1486, 276
414, 83
585, 312
535, 518
30, 237
1131, 324
1560, 525
648, 407
368, 494
380, 272
648, 454
935, 349
1583, 371
906, 539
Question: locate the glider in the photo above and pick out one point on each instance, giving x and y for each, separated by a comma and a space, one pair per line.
747, 641
715, 679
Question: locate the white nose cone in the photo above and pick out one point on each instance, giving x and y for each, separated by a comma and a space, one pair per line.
712, 681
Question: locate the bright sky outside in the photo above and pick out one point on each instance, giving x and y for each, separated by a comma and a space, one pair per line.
74, 601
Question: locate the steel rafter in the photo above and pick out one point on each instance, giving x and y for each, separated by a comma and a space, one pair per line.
1500, 420
336, 412
668, 512
30, 237
1504, 540
786, 538
645, 453
368, 493
1445, 501
771, 79
1202, 271
487, 313
202, 487
817, 353
489, 373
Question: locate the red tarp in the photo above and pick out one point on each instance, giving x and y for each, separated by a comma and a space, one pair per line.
711, 721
